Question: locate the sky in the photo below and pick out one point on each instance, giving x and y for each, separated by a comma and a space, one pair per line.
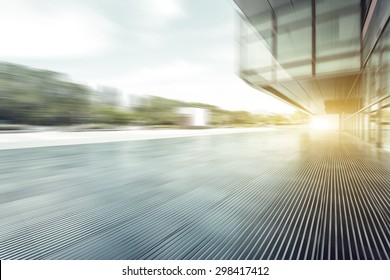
179, 49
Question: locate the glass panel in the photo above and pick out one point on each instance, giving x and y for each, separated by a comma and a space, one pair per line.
262, 22
257, 57
263, 25
341, 64
324, 6
256, 61
294, 30
385, 61
338, 35
375, 77
294, 46
254, 52
385, 77
290, 14
378, 22
372, 128
299, 71
386, 128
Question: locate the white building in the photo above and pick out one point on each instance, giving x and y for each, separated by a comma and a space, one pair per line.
193, 116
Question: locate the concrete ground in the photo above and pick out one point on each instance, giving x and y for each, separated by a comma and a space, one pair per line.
257, 194
44, 138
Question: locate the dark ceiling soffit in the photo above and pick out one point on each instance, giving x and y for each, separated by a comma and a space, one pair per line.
279, 95
335, 106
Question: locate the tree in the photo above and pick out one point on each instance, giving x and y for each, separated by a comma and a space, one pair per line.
300, 117
34, 96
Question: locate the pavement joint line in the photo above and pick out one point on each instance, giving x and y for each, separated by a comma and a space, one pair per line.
59, 138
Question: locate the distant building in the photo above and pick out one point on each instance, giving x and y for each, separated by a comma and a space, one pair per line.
193, 117
108, 96
114, 97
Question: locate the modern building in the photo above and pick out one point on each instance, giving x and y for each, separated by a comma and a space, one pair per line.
193, 117
323, 57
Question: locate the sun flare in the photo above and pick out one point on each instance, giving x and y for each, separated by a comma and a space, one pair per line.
324, 122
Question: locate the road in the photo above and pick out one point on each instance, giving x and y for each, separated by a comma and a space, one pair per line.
272, 194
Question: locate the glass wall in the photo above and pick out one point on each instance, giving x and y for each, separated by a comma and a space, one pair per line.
284, 38
337, 36
372, 122
294, 38
256, 60
342, 58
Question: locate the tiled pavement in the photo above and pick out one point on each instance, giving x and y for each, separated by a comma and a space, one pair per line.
282, 194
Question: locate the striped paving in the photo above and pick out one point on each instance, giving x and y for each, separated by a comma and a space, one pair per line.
262, 195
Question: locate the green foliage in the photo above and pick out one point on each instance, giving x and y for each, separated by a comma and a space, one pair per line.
300, 117
41, 97
158, 111
241, 117
279, 119
33, 96
110, 115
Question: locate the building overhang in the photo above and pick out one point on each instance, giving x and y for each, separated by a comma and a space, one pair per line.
306, 53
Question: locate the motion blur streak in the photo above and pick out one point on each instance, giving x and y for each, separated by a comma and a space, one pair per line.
282, 194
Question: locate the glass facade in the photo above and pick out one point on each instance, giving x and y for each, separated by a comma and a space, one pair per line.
372, 122
328, 56
302, 49
337, 36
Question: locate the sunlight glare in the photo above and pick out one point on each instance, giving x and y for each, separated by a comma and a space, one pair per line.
324, 122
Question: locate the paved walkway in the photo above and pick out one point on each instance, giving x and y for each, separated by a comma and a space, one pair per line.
276, 194
60, 138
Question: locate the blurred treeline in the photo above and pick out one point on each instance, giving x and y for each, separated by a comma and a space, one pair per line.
32, 96
41, 97
161, 111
